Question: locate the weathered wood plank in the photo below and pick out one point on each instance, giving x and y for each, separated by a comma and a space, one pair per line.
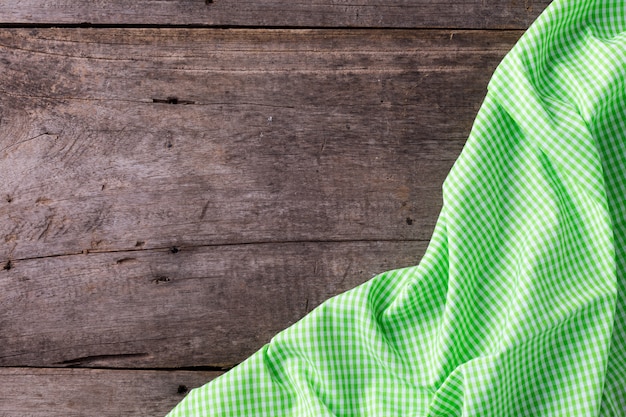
469, 14
33, 392
274, 136
200, 306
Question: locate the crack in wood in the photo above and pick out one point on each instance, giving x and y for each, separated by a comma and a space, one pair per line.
125, 260
26, 140
345, 274
99, 358
204, 210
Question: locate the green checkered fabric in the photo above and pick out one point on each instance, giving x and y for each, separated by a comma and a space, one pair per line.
518, 306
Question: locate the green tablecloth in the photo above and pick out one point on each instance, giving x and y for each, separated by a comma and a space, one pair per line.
518, 306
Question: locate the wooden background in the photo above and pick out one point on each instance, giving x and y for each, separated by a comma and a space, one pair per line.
182, 179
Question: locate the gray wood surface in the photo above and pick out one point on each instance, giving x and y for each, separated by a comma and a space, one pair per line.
172, 197
200, 306
31, 392
468, 14
277, 136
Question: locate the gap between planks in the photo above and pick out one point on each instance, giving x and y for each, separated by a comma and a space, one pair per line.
249, 27
176, 248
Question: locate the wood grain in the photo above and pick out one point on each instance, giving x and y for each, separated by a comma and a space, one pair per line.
469, 14
180, 307
28, 392
118, 139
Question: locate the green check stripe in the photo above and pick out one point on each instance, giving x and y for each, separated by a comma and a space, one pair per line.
517, 307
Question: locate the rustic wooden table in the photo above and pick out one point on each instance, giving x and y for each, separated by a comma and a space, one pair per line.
180, 180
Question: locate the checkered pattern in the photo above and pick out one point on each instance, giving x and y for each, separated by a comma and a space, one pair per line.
518, 307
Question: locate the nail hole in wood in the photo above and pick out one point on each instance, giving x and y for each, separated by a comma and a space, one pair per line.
160, 279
